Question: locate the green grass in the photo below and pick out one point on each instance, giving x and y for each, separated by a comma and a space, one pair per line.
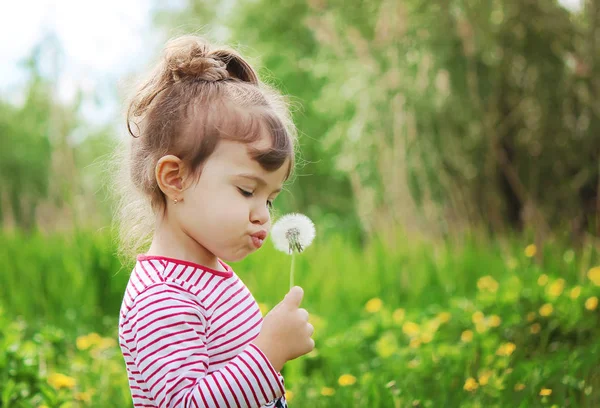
403, 349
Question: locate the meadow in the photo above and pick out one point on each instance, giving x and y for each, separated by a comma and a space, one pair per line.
398, 323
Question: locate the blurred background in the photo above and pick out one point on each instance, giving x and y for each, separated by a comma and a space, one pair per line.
449, 156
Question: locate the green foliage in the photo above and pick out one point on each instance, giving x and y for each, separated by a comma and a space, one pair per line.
396, 323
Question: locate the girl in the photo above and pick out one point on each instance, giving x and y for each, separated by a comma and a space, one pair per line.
210, 150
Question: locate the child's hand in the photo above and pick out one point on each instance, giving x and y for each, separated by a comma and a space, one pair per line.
286, 333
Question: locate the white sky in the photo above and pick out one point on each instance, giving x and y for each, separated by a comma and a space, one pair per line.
101, 41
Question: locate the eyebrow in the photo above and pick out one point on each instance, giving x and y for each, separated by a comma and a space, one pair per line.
259, 180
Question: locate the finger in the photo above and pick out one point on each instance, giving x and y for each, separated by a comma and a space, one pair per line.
311, 330
304, 314
294, 296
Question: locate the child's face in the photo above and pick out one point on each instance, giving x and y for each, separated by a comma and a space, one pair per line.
230, 201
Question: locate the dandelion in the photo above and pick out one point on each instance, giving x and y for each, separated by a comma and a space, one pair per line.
327, 391
594, 275
591, 303
410, 329
487, 283
557, 287
415, 343
535, 328
470, 384
546, 310
466, 336
542, 280
484, 377
59, 381
373, 305
346, 380
575, 292
444, 317
398, 315
494, 321
289, 395
519, 387
85, 396
506, 349
544, 392
293, 233
87, 341
477, 317
530, 250
264, 309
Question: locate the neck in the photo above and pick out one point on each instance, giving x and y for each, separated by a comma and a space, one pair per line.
171, 241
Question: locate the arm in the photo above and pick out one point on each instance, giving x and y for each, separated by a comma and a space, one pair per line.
168, 331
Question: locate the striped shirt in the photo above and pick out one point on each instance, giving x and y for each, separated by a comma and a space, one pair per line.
185, 332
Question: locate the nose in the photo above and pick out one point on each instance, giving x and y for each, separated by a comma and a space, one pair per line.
260, 215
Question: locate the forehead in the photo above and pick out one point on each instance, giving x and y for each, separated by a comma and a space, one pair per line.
234, 157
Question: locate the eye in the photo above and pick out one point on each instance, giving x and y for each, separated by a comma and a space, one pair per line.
245, 193
270, 204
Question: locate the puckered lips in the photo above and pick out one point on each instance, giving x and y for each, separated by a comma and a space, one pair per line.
258, 238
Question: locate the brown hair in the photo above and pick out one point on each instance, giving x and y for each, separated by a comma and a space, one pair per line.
197, 95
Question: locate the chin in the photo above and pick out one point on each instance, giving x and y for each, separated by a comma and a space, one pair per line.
235, 257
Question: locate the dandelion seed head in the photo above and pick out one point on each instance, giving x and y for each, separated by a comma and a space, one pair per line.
293, 232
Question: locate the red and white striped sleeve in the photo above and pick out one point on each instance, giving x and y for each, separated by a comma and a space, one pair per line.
166, 328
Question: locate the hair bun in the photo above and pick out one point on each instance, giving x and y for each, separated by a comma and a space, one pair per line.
192, 57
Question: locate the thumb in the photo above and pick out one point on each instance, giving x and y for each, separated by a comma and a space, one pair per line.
294, 296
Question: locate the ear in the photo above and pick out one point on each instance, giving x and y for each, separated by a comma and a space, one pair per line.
170, 173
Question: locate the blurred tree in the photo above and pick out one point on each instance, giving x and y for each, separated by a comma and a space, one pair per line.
443, 115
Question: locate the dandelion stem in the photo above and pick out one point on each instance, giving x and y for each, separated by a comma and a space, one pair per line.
292, 270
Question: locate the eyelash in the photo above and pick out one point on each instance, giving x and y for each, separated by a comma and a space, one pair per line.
249, 194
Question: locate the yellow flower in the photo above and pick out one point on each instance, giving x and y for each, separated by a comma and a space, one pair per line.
481, 328
477, 317
557, 287
484, 377
410, 329
519, 387
346, 379
85, 396
544, 392
591, 303
289, 395
543, 279
415, 343
594, 275
470, 384
444, 317
506, 349
575, 292
487, 283
398, 315
87, 341
535, 328
466, 336
327, 391
59, 381
426, 338
495, 321
546, 310
530, 250
106, 342
264, 308
374, 305
530, 316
